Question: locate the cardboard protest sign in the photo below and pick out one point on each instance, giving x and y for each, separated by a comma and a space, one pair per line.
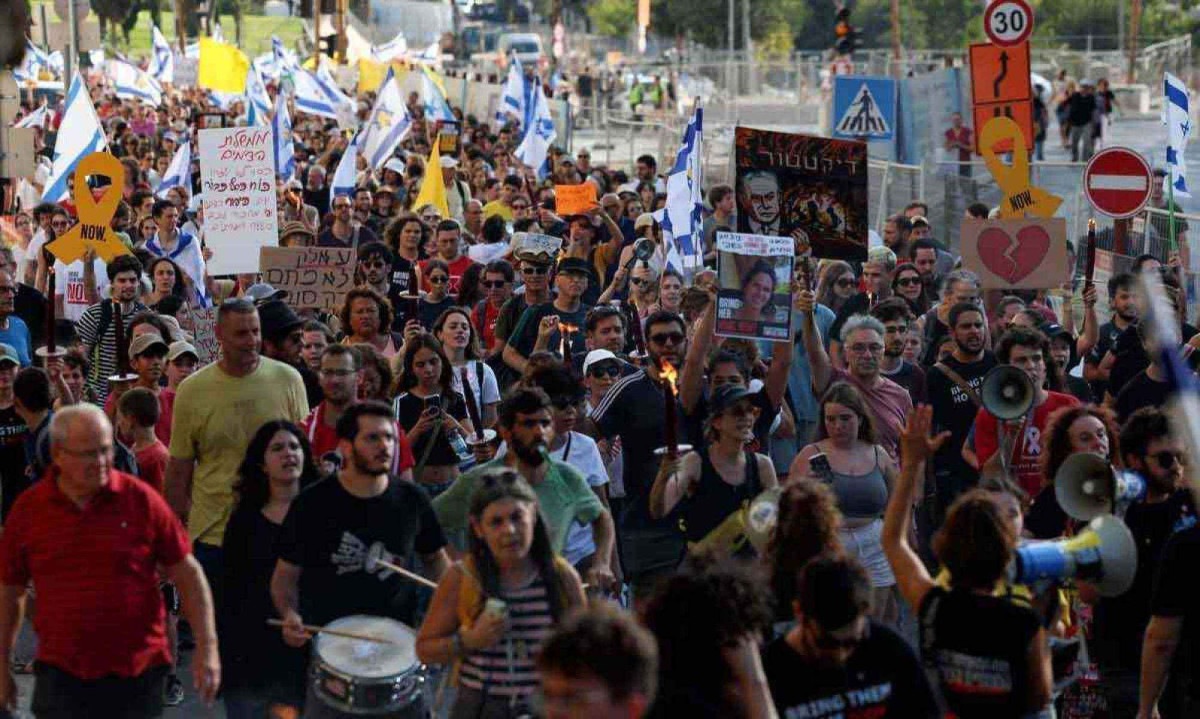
316, 277
449, 136
754, 295
201, 324
574, 199
1017, 254
811, 188
237, 172
534, 243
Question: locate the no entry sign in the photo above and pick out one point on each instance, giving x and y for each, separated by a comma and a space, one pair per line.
1008, 22
1117, 182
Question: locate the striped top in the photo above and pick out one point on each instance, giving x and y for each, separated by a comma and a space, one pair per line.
508, 668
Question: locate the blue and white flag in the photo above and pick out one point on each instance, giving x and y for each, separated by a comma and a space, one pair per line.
436, 105
388, 124
58, 64
258, 102
1179, 129
431, 55
685, 194
286, 61
34, 61
38, 118
285, 147
394, 48
330, 87
79, 135
162, 62
516, 96
311, 97
179, 173
342, 183
132, 83
539, 133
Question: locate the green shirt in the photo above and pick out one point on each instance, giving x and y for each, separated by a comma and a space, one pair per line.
563, 495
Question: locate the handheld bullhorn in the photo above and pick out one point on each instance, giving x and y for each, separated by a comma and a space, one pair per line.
643, 250
1087, 486
1007, 393
1104, 555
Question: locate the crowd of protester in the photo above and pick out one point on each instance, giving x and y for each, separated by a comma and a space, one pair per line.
485, 411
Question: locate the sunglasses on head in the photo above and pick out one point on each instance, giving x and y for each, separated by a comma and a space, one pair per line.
599, 371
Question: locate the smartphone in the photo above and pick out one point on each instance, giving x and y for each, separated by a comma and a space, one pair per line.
819, 466
434, 401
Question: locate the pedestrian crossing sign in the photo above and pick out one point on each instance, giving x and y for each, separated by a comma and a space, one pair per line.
864, 107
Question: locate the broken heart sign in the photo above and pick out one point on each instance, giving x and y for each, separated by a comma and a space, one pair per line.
1018, 254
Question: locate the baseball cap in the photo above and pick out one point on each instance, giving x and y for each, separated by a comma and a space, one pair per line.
395, 164
448, 163
263, 292
1054, 330
596, 356
919, 220
179, 348
725, 397
8, 353
644, 220
574, 264
145, 341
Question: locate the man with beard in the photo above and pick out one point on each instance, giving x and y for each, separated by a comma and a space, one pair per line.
564, 497
96, 327
896, 318
340, 371
632, 411
337, 529
1123, 301
283, 340
862, 344
957, 287
1149, 449
1029, 351
604, 329
534, 265
952, 386
375, 267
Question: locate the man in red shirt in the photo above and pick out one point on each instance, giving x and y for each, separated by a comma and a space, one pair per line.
340, 376
91, 539
449, 250
1029, 350
958, 137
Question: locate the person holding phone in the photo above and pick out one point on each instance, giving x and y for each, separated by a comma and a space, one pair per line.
861, 474
432, 413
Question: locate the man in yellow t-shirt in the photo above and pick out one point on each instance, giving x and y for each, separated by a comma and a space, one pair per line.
217, 412
502, 205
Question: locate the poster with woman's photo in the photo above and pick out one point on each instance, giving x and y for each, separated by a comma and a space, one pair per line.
754, 297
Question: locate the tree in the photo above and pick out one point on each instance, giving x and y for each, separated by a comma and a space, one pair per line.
613, 18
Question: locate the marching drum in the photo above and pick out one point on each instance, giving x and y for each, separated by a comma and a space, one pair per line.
367, 678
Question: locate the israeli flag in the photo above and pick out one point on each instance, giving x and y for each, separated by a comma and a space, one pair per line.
436, 105
396, 47
685, 196
330, 87
516, 96
285, 147
388, 125
539, 134
79, 135
38, 118
162, 63
258, 103
343, 178
132, 83
179, 173
34, 61
286, 61
58, 65
669, 250
310, 97
431, 55
1179, 129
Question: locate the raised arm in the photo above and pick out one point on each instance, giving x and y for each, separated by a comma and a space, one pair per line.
818, 358
1090, 334
691, 380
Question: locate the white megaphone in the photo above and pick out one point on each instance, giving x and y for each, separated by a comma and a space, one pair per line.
1006, 392
1087, 486
761, 517
1104, 555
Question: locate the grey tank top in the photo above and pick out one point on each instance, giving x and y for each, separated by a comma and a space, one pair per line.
861, 496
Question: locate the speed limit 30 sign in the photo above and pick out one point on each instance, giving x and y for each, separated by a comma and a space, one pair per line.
1008, 22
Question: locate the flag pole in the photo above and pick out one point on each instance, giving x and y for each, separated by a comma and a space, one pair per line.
1171, 211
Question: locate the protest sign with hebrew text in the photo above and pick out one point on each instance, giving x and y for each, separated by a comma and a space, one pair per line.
316, 277
237, 172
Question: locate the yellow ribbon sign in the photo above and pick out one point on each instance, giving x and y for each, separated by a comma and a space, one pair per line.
1020, 197
93, 229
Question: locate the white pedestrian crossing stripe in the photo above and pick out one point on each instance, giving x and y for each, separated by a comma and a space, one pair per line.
863, 117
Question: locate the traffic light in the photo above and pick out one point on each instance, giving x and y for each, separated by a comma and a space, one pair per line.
847, 36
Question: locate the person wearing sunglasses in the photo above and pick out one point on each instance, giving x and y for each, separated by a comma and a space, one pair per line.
836, 285
1149, 448
534, 266
837, 650
556, 325
908, 284
375, 267
437, 300
345, 230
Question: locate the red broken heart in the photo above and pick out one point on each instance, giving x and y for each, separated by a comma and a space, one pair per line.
1013, 261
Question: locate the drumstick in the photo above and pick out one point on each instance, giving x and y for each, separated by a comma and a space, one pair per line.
314, 629
406, 574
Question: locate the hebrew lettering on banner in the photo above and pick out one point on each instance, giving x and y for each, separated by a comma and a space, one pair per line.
237, 173
317, 277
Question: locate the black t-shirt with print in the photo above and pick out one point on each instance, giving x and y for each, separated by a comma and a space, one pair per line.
402, 273
408, 408
13, 477
954, 411
329, 533
882, 678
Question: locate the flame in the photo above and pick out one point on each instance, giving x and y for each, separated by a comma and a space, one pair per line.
1091, 225
565, 328
668, 374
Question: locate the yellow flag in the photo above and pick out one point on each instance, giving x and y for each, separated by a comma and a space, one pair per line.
370, 75
437, 80
433, 190
222, 67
